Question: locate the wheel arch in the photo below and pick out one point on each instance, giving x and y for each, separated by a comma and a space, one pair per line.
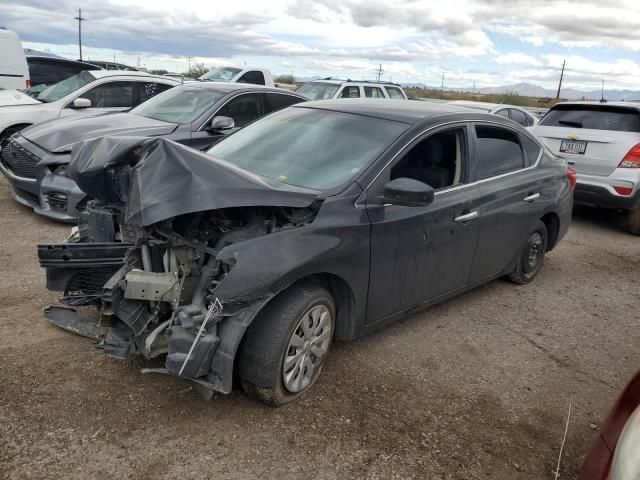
551, 220
19, 126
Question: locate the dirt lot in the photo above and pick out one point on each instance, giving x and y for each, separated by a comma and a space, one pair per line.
477, 387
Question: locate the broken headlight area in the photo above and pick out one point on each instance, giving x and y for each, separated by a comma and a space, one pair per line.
154, 287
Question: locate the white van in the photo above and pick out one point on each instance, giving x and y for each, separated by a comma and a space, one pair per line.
14, 71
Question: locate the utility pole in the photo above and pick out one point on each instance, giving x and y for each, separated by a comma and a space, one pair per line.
380, 72
602, 94
80, 19
189, 60
560, 84
442, 86
474, 88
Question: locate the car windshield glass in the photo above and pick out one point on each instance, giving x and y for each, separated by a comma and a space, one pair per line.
318, 91
223, 74
179, 105
65, 87
596, 117
309, 148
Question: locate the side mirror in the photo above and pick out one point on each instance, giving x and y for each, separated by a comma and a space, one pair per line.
221, 123
81, 103
408, 192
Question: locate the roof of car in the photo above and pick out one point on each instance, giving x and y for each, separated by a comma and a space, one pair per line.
234, 86
605, 104
488, 106
397, 110
127, 73
337, 81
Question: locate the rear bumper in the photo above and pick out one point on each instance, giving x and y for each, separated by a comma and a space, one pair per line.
601, 196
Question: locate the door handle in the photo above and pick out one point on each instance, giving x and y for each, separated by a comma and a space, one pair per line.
532, 198
466, 217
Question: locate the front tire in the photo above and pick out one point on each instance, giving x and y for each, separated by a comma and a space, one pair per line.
285, 347
531, 256
633, 221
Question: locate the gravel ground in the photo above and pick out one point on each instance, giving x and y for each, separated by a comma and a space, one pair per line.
477, 387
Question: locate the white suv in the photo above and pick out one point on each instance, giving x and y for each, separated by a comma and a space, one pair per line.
330, 88
601, 141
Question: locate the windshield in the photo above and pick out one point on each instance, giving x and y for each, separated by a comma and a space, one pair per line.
222, 74
310, 148
318, 91
596, 117
65, 87
179, 105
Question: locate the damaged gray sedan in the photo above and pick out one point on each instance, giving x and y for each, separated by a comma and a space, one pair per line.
321, 222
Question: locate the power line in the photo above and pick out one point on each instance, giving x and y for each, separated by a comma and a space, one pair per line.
80, 19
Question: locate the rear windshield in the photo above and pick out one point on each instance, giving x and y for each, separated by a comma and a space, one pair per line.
596, 117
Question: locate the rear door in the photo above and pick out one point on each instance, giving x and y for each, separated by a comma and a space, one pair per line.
593, 138
510, 194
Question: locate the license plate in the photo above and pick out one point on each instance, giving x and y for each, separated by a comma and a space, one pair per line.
577, 147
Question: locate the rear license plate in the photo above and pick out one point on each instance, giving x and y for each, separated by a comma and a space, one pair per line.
577, 147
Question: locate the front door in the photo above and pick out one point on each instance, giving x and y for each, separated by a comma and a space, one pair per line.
421, 253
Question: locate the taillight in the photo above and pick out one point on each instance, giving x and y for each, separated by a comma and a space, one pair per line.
623, 190
28, 82
571, 175
631, 159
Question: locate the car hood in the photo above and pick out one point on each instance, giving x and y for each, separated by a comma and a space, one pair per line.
157, 179
59, 134
16, 97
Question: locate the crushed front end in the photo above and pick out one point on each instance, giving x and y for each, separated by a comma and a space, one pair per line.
152, 280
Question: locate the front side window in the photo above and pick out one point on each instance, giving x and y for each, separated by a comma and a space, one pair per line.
597, 117
254, 77
373, 92
111, 95
180, 105
65, 87
350, 92
436, 160
244, 109
318, 91
394, 92
317, 149
224, 74
498, 151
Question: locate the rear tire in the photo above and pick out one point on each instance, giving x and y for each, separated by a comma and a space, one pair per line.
633, 221
531, 255
284, 348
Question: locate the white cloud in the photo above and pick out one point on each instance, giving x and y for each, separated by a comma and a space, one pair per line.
517, 58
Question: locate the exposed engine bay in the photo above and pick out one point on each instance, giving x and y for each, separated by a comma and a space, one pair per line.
155, 286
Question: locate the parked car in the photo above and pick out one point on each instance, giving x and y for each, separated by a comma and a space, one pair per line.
14, 71
112, 65
45, 71
601, 141
252, 75
329, 88
614, 454
35, 161
322, 221
517, 114
88, 91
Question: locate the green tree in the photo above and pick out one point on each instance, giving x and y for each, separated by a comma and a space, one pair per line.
160, 71
288, 78
197, 70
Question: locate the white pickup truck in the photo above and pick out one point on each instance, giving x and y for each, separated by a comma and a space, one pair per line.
244, 74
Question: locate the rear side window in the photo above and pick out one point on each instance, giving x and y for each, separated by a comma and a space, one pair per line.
596, 117
147, 90
531, 148
350, 92
373, 92
503, 113
276, 101
519, 117
254, 77
394, 92
498, 151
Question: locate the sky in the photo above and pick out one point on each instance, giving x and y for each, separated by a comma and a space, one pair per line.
481, 42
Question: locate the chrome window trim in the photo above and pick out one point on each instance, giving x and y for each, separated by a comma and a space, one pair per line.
201, 127
473, 123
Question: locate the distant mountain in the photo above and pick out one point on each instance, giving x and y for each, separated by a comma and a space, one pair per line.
529, 90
